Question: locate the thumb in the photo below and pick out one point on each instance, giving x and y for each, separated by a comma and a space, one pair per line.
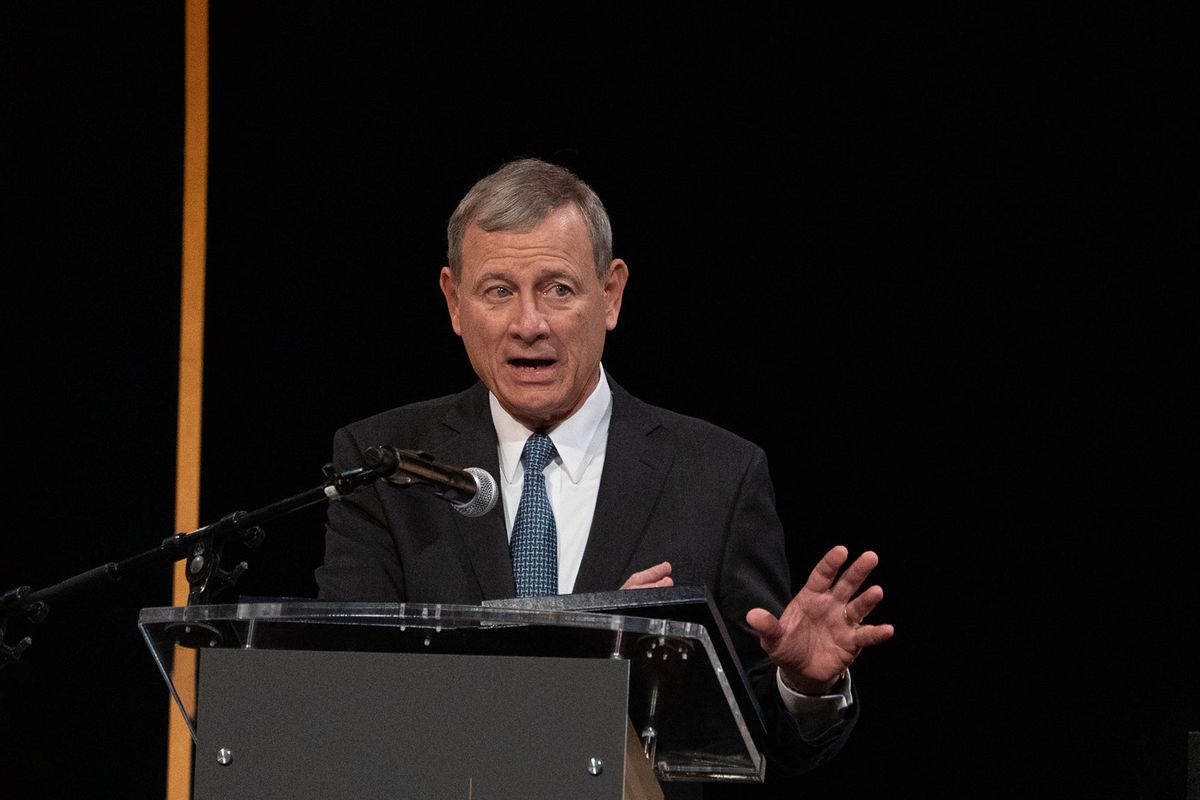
765, 624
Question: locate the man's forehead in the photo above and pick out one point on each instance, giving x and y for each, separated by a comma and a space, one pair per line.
554, 240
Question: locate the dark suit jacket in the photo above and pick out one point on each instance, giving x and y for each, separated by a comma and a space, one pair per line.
674, 488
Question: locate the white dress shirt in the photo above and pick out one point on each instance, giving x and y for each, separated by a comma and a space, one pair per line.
572, 477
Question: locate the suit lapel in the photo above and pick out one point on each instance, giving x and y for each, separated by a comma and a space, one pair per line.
472, 443
634, 473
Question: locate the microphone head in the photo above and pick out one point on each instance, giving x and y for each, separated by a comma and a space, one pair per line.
485, 494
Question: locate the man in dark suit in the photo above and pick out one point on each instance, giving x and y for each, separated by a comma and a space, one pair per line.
637, 496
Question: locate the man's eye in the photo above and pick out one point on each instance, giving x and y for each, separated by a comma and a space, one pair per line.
499, 291
560, 290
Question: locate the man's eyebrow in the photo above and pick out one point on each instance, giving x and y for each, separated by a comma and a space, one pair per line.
547, 275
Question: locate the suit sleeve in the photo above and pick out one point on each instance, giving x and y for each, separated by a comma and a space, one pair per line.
361, 562
755, 574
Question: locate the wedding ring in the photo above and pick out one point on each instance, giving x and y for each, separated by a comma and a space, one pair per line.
853, 623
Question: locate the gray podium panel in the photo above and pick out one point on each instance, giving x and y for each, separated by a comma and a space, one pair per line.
298, 724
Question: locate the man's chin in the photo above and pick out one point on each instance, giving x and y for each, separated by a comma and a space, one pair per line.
534, 407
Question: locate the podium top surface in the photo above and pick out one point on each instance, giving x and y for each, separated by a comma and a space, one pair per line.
417, 615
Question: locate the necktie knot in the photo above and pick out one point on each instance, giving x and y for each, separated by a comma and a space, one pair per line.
539, 451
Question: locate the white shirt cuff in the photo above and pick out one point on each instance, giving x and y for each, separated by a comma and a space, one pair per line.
820, 708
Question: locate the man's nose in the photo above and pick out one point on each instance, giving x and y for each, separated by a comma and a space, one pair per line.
529, 321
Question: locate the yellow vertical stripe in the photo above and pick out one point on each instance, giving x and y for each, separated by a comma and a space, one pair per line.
191, 366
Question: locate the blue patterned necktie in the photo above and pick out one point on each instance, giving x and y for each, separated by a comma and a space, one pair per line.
534, 536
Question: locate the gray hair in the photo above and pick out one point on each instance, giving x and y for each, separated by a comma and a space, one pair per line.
520, 195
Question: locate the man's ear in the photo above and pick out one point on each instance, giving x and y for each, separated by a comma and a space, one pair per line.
450, 292
614, 290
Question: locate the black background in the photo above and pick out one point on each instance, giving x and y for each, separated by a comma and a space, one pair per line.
933, 260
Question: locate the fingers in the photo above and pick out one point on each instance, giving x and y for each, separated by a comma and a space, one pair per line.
855, 575
869, 635
824, 577
856, 610
826, 570
655, 577
862, 566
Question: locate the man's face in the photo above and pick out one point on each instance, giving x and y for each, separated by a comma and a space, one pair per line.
533, 316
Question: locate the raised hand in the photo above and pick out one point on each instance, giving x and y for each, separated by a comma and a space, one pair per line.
821, 632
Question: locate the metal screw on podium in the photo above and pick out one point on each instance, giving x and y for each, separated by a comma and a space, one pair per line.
224, 756
595, 766
650, 742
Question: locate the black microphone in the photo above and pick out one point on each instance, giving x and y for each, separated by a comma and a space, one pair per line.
471, 490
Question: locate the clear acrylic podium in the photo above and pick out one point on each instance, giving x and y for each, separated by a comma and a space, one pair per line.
306, 699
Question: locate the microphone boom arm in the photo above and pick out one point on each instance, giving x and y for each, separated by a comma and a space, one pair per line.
201, 547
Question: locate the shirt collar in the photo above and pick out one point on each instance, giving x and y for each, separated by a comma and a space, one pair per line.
577, 439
